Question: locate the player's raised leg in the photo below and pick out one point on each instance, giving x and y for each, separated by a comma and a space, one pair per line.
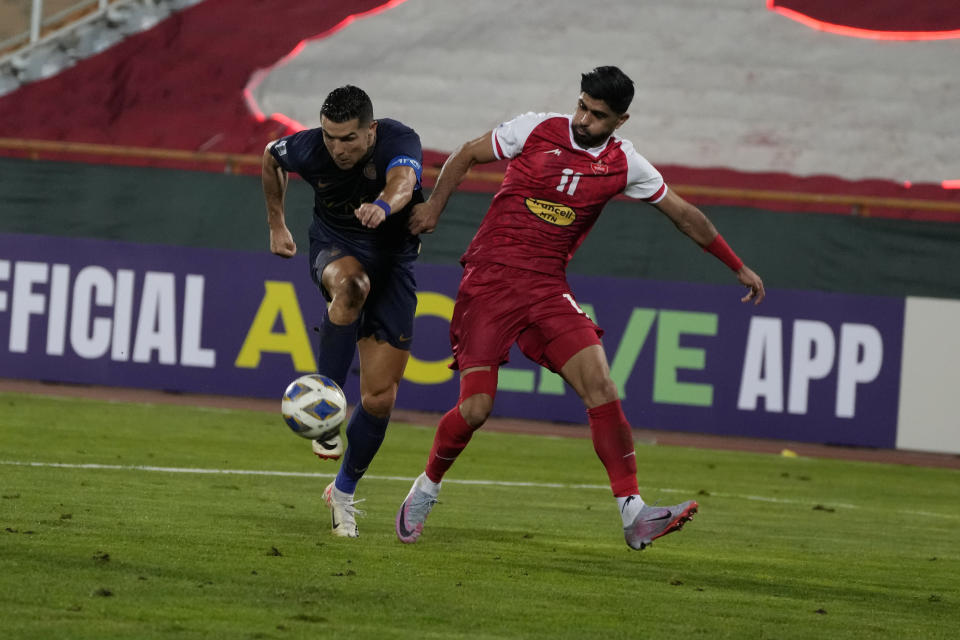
588, 373
346, 285
478, 387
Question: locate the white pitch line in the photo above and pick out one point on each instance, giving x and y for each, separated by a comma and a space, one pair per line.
842, 505
494, 483
137, 467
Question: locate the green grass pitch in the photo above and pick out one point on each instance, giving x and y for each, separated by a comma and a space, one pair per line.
154, 521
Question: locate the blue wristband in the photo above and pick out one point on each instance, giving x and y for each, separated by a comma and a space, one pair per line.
383, 205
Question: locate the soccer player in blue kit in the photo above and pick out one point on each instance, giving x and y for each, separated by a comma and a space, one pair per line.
365, 175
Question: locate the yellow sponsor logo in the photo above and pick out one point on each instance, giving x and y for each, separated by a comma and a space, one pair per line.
558, 214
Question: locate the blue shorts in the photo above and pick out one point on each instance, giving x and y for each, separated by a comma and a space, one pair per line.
391, 304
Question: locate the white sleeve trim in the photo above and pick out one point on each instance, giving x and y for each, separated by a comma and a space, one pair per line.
495, 144
644, 182
510, 136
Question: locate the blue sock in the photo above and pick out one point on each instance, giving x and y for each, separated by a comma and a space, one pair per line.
365, 434
338, 342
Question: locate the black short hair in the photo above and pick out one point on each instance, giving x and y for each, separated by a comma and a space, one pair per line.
346, 103
610, 85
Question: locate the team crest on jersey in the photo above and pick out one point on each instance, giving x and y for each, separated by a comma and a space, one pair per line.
370, 171
599, 168
558, 214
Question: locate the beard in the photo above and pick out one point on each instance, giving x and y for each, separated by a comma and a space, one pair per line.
582, 138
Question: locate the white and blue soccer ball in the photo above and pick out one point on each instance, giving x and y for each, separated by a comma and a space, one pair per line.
314, 406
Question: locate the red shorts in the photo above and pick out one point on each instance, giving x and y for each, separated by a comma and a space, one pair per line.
498, 305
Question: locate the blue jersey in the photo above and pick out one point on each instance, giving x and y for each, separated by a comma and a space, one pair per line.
339, 192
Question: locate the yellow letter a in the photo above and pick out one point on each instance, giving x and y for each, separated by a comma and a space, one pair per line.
279, 299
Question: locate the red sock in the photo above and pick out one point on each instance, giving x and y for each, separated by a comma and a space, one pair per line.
613, 442
453, 434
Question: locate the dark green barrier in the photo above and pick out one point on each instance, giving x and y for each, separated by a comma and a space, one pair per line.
790, 250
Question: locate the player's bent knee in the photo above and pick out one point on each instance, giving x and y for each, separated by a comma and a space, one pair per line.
353, 290
476, 409
348, 287
599, 390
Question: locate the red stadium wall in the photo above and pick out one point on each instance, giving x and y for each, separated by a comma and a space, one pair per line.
181, 86
877, 19
178, 85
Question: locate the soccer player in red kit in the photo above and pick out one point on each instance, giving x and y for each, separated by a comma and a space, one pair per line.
563, 170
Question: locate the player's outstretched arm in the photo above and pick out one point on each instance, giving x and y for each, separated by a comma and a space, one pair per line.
477, 151
695, 224
275, 178
397, 192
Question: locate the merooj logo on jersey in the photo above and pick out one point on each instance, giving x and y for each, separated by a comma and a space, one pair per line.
599, 168
558, 214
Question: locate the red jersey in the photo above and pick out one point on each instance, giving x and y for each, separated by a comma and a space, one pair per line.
553, 192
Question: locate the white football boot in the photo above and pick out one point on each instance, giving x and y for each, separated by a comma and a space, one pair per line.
330, 448
343, 512
413, 512
653, 522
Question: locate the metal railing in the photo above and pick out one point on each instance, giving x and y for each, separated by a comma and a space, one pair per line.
858, 204
36, 149
40, 26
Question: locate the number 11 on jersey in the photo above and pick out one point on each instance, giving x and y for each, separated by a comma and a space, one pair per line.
566, 177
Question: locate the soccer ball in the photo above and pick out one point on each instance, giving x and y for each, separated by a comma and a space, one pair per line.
314, 406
